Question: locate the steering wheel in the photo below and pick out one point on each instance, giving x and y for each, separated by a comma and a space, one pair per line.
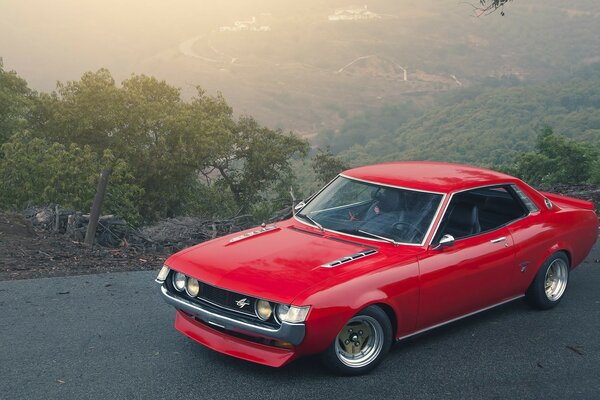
410, 225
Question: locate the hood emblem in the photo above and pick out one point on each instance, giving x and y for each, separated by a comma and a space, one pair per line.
241, 303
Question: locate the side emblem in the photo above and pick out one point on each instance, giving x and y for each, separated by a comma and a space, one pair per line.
241, 303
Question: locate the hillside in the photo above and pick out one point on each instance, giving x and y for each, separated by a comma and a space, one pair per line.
308, 65
479, 125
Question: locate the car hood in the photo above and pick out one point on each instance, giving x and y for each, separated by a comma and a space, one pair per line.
276, 265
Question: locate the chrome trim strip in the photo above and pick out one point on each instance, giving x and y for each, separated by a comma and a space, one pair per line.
458, 318
347, 259
293, 333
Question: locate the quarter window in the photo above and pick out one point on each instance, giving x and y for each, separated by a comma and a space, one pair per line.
525, 199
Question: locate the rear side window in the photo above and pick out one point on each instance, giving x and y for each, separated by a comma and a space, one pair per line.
525, 199
481, 210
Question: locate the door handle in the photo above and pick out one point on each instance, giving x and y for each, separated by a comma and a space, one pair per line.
498, 240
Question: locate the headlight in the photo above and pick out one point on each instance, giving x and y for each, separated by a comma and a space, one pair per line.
179, 281
264, 310
162, 275
192, 287
292, 314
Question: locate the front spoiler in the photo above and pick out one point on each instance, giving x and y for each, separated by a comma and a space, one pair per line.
292, 333
230, 345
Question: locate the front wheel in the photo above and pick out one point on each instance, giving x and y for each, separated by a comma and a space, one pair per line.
550, 283
361, 344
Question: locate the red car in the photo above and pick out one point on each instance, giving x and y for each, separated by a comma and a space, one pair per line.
381, 253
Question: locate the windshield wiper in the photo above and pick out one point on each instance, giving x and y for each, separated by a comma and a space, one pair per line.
318, 225
392, 241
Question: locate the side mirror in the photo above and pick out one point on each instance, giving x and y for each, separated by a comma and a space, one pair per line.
445, 241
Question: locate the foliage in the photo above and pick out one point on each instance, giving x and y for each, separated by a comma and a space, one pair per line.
362, 128
34, 171
16, 99
487, 125
326, 165
187, 156
556, 160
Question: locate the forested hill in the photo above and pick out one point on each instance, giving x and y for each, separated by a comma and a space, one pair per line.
482, 125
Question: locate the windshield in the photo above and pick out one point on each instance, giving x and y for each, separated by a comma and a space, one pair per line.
372, 211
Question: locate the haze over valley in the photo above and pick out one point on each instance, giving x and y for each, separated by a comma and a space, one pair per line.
306, 66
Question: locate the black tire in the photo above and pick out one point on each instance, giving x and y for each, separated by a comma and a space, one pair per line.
375, 340
542, 293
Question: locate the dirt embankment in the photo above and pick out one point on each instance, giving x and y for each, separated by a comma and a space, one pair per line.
29, 253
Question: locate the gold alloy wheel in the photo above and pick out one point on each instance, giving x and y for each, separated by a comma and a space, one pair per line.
555, 282
360, 341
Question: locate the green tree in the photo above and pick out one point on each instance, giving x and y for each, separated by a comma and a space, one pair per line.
181, 153
556, 160
257, 158
34, 171
326, 165
16, 101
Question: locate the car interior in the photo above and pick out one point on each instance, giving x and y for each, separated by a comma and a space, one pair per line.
480, 210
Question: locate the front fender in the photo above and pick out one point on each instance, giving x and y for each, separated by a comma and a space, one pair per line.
333, 306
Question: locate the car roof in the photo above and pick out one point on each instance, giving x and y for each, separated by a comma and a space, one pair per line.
429, 176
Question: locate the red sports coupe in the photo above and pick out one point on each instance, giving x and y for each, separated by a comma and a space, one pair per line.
381, 253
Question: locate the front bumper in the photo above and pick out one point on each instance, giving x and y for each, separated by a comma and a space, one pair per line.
292, 333
233, 346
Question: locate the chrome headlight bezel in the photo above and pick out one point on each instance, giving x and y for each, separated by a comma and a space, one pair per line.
192, 287
267, 306
176, 278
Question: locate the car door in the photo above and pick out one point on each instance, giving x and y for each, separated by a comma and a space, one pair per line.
474, 272
465, 277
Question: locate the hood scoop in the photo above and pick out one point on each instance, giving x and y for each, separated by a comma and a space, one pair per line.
261, 230
347, 259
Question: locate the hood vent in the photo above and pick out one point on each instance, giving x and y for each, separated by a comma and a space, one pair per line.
347, 259
263, 229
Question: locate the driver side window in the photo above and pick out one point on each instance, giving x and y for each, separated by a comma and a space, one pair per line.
480, 210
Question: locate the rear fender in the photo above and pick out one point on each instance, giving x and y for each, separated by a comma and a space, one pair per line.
556, 247
572, 202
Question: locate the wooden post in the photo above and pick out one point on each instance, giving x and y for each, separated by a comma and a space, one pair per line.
96, 207
56, 219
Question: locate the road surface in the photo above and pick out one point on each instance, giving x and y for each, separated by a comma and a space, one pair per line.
110, 336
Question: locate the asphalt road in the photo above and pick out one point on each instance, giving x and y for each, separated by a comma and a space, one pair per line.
110, 336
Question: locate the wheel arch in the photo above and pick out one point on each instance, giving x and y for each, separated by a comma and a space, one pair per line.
558, 247
391, 314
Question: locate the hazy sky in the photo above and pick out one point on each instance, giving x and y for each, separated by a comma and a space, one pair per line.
49, 40
290, 76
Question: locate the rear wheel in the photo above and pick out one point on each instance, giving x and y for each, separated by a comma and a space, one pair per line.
550, 283
361, 344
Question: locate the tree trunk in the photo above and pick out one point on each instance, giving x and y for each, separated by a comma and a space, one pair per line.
96, 207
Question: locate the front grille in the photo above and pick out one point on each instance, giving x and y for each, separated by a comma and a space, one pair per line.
227, 299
